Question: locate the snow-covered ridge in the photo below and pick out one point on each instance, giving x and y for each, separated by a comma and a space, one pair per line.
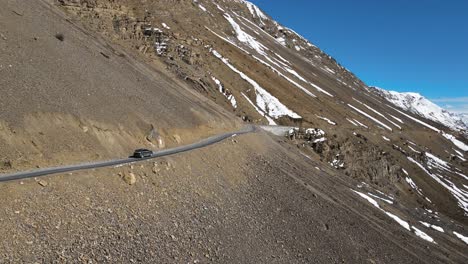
463, 117
287, 37
418, 104
255, 11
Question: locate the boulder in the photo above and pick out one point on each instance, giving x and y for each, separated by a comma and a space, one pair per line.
129, 178
42, 183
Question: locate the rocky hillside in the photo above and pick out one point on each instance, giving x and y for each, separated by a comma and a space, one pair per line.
110, 76
68, 95
237, 56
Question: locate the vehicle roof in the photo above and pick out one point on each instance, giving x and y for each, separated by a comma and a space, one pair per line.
142, 150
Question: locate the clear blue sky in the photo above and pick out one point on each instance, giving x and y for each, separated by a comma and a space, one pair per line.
403, 45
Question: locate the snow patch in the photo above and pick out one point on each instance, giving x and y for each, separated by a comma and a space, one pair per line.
435, 162
245, 37
397, 119
380, 198
412, 184
361, 124
281, 40
229, 96
456, 142
464, 176
370, 117
459, 154
326, 119
368, 198
352, 122
462, 237
160, 47
419, 152
329, 70
403, 223
318, 140
270, 121
222, 10
261, 49
422, 235
437, 228
397, 219
400, 221
378, 113
460, 195
336, 163
269, 104
227, 40
202, 7
315, 132
255, 11
285, 77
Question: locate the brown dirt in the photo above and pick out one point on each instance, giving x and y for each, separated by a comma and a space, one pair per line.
233, 202
68, 103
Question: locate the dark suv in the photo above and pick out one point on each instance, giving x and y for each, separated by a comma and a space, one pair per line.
142, 153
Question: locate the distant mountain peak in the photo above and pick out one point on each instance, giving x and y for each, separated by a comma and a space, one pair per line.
420, 105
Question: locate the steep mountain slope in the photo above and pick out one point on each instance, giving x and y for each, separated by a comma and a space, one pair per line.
417, 104
184, 69
230, 50
249, 199
66, 96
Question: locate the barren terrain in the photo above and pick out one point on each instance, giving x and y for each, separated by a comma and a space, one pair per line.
350, 179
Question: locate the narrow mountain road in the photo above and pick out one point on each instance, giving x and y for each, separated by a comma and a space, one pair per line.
84, 166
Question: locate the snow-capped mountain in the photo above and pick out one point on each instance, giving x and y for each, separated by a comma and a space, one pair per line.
463, 117
418, 104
